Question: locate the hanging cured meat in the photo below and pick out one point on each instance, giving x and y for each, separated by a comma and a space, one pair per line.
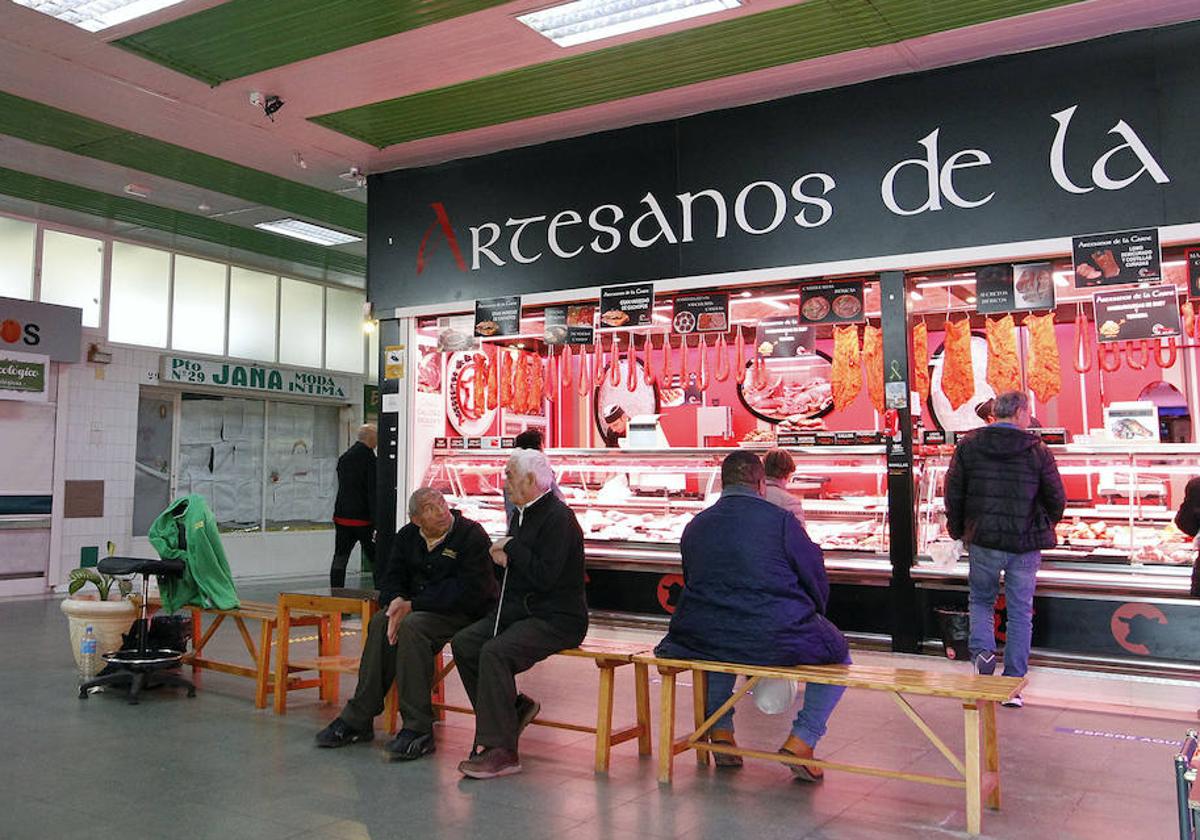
1082, 360
493, 381
551, 374
505, 372
1109, 355
1168, 360
520, 395
583, 382
648, 375
702, 380
1188, 311
921, 359
872, 360
1142, 358
598, 369
721, 372
481, 374
664, 378
631, 375
761, 380
739, 357
683, 368
847, 366
958, 372
535, 383
1003, 364
1045, 372
564, 371
614, 361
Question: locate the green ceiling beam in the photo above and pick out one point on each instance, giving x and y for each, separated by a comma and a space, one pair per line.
242, 37
60, 129
732, 47
84, 200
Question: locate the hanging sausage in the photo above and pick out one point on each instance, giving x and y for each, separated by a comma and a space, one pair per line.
921, 359
958, 371
631, 376
583, 382
721, 372
1082, 360
564, 370
702, 381
1172, 348
1003, 364
1109, 356
615, 363
739, 357
664, 379
481, 367
1044, 373
683, 360
551, 373
1188, 311
493, 380
1140, 361
847, 366
649, 376
872, 361
599, 371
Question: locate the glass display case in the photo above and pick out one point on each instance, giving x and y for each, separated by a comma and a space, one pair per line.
1117, 533
633, 504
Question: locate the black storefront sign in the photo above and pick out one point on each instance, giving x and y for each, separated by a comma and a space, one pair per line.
832, 303
568, 324
627, 306
1092, 136
701, 313
1014, 288
783, 337
498, 316
1193, 269
1120, 257
1133, 314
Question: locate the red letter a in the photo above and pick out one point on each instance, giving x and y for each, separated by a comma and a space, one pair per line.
443, 221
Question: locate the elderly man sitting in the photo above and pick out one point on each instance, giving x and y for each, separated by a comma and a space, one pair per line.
542, 610
755, 593
439, 579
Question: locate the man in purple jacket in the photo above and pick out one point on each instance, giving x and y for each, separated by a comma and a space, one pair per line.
755, 592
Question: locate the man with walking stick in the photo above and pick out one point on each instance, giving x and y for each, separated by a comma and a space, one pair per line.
542, 610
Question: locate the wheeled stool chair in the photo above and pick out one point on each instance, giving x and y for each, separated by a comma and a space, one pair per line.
141, 668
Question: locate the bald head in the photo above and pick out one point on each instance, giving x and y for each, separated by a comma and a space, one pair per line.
368, 435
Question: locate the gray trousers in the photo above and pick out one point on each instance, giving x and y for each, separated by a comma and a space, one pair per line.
489, 667
409, 663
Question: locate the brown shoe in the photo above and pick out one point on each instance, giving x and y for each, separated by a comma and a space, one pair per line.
491, 763
527, 710
724, 736
794, 746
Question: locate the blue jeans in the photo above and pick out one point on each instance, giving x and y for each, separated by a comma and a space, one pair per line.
1020, 579
811, 720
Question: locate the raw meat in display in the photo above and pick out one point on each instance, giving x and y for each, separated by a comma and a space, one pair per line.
721, 373
1142, 359
1003, 365
780, 397
1168, 360
1045, 372
493, 378
1083, 344
739, 357
921, 359
958, 372
872, 360
760, 378
847, 366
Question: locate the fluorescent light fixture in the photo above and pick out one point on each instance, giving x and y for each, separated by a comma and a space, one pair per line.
94, 15
581, 21
316, 234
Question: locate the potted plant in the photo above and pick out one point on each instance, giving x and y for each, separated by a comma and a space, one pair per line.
109, 615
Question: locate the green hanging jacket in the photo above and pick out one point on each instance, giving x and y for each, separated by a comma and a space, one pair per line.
207, 581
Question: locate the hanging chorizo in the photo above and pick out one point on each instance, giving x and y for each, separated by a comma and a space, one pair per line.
551, 374
583, 382
921, 359
665, 377
721, 372
615, 363
1188, 311
702, 381
564, 370
631, 376
1082, 359
1172, 352
1142, 359
648, 375
683, 361
1108, 363
739, 357
599, 371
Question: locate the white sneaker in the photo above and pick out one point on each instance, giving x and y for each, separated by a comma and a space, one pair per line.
1014, 702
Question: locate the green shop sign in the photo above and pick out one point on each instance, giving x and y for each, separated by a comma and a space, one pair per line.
23, 376
249, 377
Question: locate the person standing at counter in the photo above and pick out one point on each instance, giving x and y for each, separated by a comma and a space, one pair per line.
780, 466
542, 610
354, 508
1187, 519
1003, 498
755, 592
616, 425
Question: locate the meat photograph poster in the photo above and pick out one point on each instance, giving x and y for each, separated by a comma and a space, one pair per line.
832, 303
498, 316
701, 313
1014, 288
626, 306
1111, 259
568, 324
1150, 312
1193, 269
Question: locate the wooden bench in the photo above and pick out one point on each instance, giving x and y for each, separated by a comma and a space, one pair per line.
608, 656
329, 663
260, 656
979, 696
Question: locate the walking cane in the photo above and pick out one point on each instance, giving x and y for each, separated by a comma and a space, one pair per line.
500, 604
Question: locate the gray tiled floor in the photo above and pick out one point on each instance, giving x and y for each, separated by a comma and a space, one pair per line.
214, 766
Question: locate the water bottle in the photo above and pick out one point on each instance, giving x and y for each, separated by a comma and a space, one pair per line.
89, 658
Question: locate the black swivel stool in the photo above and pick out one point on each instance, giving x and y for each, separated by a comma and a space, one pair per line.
141, 668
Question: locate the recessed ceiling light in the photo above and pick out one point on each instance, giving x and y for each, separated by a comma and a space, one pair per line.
308, 232
568, 24
94, 15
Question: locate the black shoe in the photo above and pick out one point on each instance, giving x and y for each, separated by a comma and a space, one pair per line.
409, 745
341, 734
527, 710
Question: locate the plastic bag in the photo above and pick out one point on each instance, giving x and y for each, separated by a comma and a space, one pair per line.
945, 554
774, 697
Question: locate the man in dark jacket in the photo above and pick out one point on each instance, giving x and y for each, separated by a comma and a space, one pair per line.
1187, 519
1003, 499
354, 509
439, 579
755, 592
542, 610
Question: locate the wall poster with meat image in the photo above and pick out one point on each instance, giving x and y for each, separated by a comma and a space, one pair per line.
626, 306
466, 379
789, 389
701, 313
839, 302
429, 370
568, 324
498, 316
1024, 287
1111, 259
1151, 312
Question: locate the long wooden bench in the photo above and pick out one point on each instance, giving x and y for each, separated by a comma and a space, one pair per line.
608, 656
260, 655
978, 773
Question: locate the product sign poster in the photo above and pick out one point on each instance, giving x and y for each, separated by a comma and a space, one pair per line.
1133, 314
783, 337
1193, 269
393, 361
24, 376
1109, 259
498, 316
1014, 288
701, 313
626, 306
832, 303
568, 324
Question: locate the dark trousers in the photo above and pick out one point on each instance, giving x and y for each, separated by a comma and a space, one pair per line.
344, 538
409, 663
489, 666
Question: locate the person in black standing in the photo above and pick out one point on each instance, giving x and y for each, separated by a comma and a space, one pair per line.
1187, 519
542, 610
354, 510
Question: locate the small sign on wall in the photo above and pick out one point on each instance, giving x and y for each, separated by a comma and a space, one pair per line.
24, 376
